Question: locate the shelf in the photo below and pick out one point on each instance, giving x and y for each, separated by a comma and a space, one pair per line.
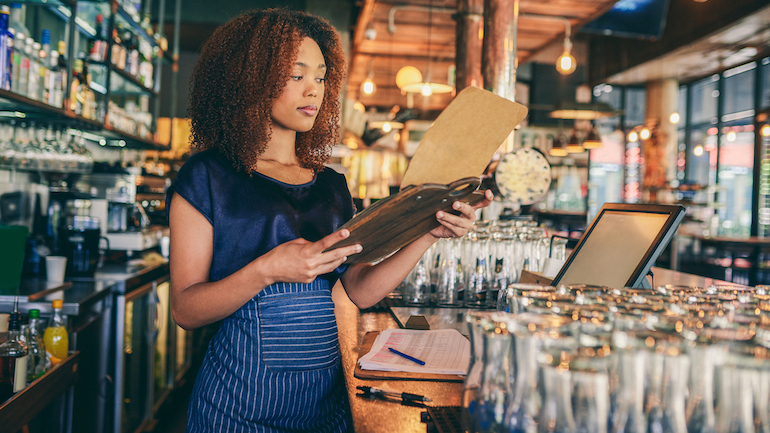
139, 142
118, 88
20, 409
122, 13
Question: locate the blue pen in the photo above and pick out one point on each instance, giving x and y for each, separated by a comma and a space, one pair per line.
411, 358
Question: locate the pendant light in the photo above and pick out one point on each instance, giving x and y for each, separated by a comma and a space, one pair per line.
566, 63
592, 141
427, 87
557, 147
573, 145
368, 87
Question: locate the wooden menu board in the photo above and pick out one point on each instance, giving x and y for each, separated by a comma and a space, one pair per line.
446, 168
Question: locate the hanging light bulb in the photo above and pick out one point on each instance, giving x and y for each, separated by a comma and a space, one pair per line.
566, 63
674, 118
644, 134
368, 87
426, 90
765, 131
386, 127
633, 137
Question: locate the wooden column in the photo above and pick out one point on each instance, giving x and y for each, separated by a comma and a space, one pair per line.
498, 58
661, 149
468, 47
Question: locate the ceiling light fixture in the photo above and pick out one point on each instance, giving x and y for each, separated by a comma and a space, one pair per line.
645, 134
592, 141
765, 131
633, 137
557, 147
426, 87
368, 87
573, 145
674, 118
566, 63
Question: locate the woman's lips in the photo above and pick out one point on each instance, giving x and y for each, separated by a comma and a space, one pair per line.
309, 110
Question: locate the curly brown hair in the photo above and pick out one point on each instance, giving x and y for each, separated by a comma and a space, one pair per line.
243, 68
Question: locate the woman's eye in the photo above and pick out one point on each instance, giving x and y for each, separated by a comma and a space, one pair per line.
296, 77
321, 80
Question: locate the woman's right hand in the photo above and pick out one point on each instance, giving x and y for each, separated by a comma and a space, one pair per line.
302, 261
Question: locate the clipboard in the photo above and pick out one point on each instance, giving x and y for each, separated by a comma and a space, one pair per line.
366, 346
446, 168
395, 221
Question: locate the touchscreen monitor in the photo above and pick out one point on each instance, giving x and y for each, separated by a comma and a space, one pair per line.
621, 245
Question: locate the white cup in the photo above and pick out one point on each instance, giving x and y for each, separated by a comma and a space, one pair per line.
54, 268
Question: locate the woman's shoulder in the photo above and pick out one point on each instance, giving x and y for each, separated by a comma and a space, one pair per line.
329, 174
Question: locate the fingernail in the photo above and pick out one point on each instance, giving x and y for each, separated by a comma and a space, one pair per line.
345, 233
440, 215
456, 205
344, 258
359, 248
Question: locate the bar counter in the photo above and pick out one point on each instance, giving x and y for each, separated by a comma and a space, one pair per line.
375, 416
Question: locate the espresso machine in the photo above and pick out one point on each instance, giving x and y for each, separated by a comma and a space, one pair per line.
124, 222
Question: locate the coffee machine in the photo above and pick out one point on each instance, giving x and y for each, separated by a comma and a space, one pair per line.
124, 222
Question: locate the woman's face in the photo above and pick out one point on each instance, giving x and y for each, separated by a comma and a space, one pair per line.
297, 107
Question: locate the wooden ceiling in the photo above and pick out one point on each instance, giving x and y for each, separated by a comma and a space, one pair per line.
409, 44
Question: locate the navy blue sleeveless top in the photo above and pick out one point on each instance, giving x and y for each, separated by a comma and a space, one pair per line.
274, 365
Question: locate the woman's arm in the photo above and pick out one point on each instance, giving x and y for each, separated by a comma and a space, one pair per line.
366, 284
195, 301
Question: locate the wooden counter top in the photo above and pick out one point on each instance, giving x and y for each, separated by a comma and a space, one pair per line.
372, 416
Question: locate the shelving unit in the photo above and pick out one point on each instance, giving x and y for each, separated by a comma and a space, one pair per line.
122, 98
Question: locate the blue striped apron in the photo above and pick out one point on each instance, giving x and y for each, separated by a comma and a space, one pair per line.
274, 366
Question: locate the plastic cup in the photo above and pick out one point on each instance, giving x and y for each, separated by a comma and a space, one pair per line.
55, 267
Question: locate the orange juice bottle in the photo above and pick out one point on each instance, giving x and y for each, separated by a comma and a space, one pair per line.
55, 338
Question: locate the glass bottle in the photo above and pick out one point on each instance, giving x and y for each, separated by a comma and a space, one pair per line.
736, 401
416, 289
495, 386
37, 362
6, 50
13, 360
477, 273
556, 414
450, 282
627, 399
591, 400
55, 338
700, 404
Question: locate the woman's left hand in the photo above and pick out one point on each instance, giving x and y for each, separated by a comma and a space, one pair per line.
455, 226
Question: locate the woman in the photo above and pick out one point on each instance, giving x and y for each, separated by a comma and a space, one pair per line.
251, 214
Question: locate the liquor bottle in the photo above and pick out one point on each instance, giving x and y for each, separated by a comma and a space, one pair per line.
24, 68
76, 101
118, 50
97, 49
55, 338
45, 64
6, 49
37, 364
13, 360
17, 53
33, 86
52, 80
17, 20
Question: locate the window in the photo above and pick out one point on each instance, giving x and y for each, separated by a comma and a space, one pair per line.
735, 178
635, 106
765, 102
705, 94
738, 98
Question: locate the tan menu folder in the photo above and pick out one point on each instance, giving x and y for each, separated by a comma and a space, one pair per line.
446, 167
